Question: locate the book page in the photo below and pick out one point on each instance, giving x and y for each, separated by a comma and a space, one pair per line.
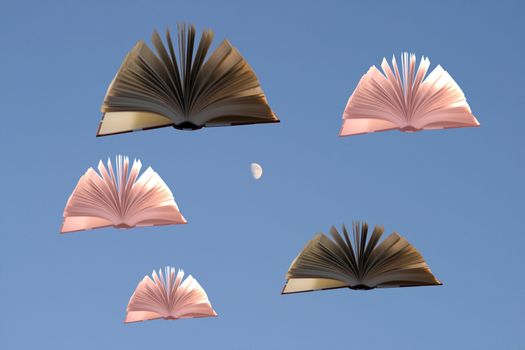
295, 285
120, 122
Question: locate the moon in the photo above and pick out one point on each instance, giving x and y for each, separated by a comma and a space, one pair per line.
256, 171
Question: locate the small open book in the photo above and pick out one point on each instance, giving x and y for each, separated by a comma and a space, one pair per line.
169, 297
187, 91
121, 200
362, 264
406, 100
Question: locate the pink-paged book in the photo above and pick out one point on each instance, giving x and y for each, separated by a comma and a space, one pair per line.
122, 199
167, 296
406, 100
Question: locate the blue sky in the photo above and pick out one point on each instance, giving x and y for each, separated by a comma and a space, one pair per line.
456, 195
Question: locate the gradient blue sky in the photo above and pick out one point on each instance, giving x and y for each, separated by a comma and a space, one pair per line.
456, 195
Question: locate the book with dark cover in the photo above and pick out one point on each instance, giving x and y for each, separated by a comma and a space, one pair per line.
358, 263
188, 91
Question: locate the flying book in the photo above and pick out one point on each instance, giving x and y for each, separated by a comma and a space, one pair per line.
406, 101
168, 297
187, 91
121, 200
362, 264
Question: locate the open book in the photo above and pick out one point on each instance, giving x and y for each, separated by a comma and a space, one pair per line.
122, 200
154, 90
406, 101
169, 297
362, 264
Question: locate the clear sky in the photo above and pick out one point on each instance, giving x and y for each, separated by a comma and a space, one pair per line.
456, 195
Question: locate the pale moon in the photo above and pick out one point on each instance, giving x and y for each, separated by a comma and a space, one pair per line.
256, 171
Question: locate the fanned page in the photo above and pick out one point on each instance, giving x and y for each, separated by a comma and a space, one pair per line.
186, 91
406, 100
169, 297
122, 199
358, 263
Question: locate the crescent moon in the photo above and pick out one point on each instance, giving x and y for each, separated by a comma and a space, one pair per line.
256, 171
